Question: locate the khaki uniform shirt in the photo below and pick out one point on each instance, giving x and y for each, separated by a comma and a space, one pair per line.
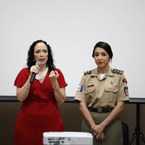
102, 93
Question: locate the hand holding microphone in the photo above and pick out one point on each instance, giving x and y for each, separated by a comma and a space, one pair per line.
34, 70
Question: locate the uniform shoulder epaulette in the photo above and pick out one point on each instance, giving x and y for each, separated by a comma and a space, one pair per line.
117, 71
88, 72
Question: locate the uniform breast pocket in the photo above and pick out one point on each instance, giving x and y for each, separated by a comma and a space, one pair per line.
89, 89
111, 94
90, 92
112, 89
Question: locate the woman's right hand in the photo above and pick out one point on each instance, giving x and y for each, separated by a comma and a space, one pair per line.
34, 69
97, 131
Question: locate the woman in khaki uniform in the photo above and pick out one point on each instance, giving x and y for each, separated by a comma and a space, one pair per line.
101, 95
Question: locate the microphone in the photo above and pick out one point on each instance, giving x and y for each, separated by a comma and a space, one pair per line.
33, 73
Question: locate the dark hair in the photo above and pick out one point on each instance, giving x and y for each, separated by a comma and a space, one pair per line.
30, 59
105, 46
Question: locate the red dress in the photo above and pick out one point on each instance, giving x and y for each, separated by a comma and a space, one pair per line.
39, 112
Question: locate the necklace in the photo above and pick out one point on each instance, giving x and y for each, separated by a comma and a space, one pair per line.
42, 75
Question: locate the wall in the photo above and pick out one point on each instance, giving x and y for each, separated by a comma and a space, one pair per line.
72, 28
71, 115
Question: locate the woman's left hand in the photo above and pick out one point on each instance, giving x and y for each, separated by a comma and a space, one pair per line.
53, 75
100, 136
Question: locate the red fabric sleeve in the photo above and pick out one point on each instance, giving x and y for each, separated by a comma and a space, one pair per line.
61, 79
21, 77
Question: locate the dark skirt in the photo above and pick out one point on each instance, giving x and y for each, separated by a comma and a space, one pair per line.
113, 132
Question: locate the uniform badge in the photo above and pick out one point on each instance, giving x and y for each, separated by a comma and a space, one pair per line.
124, 80
126, 91
87, 72
80, 88
117, 71
90, 98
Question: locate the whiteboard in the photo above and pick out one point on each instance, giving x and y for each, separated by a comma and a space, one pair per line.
72, 28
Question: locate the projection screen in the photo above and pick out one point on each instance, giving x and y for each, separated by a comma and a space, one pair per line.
72, 28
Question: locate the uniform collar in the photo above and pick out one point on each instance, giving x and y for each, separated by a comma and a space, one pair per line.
96, 73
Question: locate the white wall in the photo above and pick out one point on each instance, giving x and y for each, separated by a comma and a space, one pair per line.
72, 28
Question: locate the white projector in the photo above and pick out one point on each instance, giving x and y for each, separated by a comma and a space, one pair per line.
67, 138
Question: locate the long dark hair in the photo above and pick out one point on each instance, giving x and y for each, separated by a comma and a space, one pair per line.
31, 61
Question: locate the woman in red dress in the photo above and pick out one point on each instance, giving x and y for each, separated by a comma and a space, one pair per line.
40, 86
